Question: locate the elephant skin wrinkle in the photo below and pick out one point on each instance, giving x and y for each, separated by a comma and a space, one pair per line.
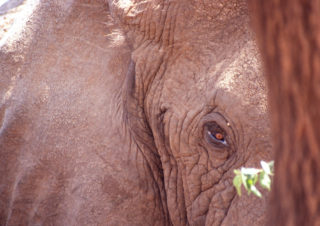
110, 109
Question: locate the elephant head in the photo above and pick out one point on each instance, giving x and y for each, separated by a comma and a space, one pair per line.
197, 83
132, 112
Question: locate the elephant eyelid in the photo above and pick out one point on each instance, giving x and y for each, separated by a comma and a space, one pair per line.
215, 135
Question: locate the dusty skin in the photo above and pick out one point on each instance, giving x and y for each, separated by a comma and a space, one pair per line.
130, 113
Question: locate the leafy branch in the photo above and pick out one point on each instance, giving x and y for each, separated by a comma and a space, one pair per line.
248, 177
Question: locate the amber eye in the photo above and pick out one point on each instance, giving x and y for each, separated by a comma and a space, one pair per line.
215, 134
219, 136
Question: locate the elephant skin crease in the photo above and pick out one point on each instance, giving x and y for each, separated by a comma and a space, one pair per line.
131, 112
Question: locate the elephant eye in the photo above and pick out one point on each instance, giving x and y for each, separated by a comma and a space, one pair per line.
218, 136
215, 134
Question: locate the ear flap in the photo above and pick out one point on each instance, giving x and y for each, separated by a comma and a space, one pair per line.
136, 120
141, 136
149, 27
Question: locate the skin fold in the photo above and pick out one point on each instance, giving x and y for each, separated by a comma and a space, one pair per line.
111, 111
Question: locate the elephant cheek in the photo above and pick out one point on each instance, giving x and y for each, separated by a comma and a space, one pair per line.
246, 210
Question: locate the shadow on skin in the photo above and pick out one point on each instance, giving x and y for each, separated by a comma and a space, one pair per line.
6, 5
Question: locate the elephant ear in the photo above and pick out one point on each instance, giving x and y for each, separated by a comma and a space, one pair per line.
149, 26
146, 27
147, 57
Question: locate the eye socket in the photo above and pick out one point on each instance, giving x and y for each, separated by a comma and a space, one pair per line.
216, 135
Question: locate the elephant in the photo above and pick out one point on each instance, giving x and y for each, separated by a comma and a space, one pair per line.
131, 112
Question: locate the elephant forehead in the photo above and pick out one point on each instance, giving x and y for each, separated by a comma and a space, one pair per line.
242, 80
236, 79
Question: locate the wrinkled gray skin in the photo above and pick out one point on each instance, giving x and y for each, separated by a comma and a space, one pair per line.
105, 108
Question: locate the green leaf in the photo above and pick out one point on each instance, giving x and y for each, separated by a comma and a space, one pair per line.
255, 178
265, 181
256, 191
237, 172
237, 181
250, 171
244, 179
271, 166
266, 167
249, 182
248, 177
